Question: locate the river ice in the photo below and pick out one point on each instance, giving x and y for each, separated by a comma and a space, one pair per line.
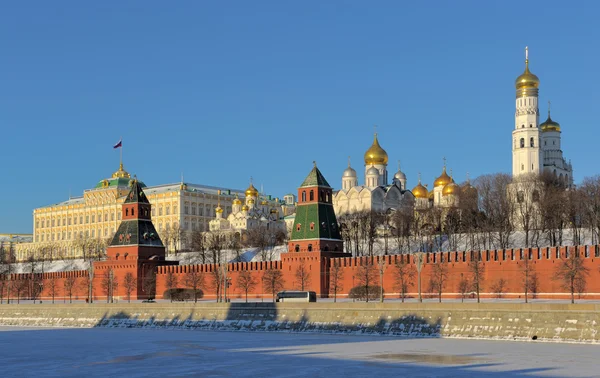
68, 352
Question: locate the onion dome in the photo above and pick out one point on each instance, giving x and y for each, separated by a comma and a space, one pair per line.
443, 180
527, 83
245, 208
251, 191
373, 171
273, 211
549, 124
375, 154
237, 201
264, 202
349, 172
450, 189
419, 191
400, 175
121, 173
219, 210
251, 201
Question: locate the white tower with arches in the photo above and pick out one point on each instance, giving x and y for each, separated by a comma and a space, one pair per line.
527, 152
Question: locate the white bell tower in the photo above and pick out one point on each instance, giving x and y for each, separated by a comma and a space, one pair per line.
527, 152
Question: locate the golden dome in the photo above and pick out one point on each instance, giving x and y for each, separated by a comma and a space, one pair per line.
450, 189
264, 202
375, 154
219, 210
527, 83
419, 191
237, 201
550, 125
121, 173
251, 191
251, 201
245, 208
443, 180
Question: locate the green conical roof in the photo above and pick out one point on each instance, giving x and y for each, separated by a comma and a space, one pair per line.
136, 194
315, 178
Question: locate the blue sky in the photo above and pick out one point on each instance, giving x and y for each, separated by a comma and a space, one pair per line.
222, 91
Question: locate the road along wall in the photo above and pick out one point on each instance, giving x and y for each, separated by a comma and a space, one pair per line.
542, 322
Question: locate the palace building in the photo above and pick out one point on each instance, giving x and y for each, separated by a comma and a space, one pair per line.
177, 208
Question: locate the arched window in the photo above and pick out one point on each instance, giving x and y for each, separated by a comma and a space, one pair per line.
126, 212
522, 142
531, 125
522, 126
132, 212
531, 143
297, 248
310, 248
311, 196
303, 196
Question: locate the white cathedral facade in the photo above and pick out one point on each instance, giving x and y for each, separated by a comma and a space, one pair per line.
377, 194
536, 147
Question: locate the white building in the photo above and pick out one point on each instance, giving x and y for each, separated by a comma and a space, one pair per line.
536, 147
376, 194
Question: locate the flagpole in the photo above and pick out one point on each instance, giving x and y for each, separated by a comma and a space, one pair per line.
121, 153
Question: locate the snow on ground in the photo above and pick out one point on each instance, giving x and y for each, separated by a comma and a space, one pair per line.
151, 352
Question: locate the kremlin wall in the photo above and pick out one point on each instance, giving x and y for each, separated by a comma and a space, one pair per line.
315, 246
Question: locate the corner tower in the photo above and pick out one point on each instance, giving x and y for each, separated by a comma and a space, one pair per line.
315, 227
527, 154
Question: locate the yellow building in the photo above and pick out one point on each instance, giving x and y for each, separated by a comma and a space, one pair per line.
177, 210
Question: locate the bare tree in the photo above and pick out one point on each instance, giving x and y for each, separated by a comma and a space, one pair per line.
526, 194
476, 269
171, 283
273, 281
404, 274
194, 280
590, 190
534, 284
439, 275
129, 284
336, 279
217, 281
149, 284
52, 286
19, 287
367, 275
69, 285
246, 282
572, 273
499, 287
497, 209
36, 286
215, 247
176, 233
199, 244
527, 270
109, 284
464, 286
302, 276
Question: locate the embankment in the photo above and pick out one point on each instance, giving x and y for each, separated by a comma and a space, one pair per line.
544, 322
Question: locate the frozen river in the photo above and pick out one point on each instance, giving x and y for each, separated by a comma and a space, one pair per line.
41, 352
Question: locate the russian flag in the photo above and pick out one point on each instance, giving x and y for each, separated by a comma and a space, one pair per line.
119, 144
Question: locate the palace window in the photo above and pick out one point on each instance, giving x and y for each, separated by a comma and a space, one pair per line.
93, 233
69, 221
119, 215
522, 142
153, 211
106, 217
160, 211
81, 219
112, 216
174, 209
186, 209
87, 219
52, 222
37, 224
69, 235
64, 221
194, 210
168, 210
93, 218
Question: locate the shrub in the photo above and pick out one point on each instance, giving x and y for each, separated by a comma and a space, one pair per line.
360, 292
182, 294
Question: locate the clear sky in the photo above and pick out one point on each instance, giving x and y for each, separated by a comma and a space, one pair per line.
222, 91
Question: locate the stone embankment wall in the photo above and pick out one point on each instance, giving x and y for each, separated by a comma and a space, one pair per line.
544, 322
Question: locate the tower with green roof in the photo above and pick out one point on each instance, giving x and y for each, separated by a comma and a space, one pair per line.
315, 225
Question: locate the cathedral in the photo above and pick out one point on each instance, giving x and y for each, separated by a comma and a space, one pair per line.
256, 212
376, 194
536, 147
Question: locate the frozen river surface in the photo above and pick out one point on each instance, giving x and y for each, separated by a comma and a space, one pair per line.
37, 352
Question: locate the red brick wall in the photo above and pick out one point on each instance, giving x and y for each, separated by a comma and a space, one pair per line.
496, 264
